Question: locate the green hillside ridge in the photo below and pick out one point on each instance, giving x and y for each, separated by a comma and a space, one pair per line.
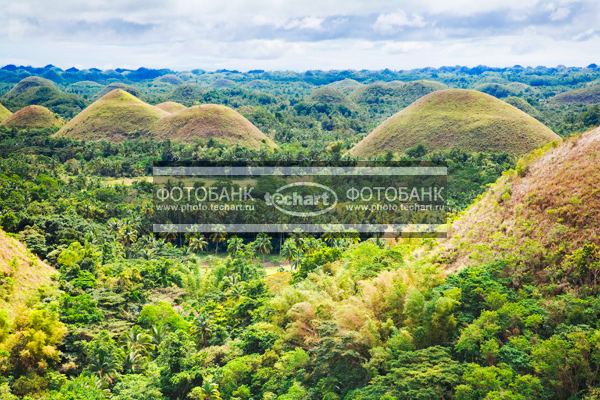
211, 121
346, 85
33, 117
4, 113
22, 274
588, 95
171, 106
457, 118
326, 95
114, 117
496, 90
538, 214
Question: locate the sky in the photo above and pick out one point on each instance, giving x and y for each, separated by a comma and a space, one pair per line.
298, 35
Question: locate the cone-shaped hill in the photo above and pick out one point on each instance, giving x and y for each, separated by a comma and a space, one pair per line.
211, 121
32, 89
28, 273
117, 85
115, 117
32, 117
536, 216
119, 116
4, 113
467, 119
171, 106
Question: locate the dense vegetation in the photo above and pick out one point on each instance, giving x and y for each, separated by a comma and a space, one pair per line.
132, 315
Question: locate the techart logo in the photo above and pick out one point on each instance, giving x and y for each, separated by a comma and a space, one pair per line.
303, 199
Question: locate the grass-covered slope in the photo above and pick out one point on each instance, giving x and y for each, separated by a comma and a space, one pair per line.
4, 113
22, 274
117, 116
32, 117
211, 121
467, 119
588, 95
536, 215
171, 106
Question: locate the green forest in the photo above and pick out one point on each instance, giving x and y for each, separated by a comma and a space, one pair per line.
94, 305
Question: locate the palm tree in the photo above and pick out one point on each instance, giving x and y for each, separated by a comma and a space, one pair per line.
128, 236
138, 339
169, 232
105, 366
133, 358
218, 236
208, 391
291, 252
157, 334
263, 244
202, 326
234, 245
197, 243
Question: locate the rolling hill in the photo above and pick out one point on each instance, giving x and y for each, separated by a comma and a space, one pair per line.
4, 113
170, 106
116, 116
22, 273
327, 95
211, 121
467, 119
541, 212
33, 117
588, 95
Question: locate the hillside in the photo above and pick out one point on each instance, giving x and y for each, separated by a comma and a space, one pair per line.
327, 95
170, 106
211, 121
4, 113
588, 95
537, 215
467, 119
33, 117
115, 116
22, 273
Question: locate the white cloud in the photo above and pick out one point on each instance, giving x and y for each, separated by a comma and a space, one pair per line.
404, 47
395, 22
560, 14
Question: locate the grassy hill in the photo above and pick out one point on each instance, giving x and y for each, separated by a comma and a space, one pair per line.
588, 95
116, 116
327, 95
346, 85
4, 113
496, 90
211, 121
170, 78
467, 119
33, 117
22, 274
523, 105
170, 106
536, 215
186, 93
32, 90
35, 90
127, 88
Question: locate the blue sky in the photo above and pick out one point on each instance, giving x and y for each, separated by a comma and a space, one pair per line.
298, 35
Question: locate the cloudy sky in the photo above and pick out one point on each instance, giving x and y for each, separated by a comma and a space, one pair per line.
298, 34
